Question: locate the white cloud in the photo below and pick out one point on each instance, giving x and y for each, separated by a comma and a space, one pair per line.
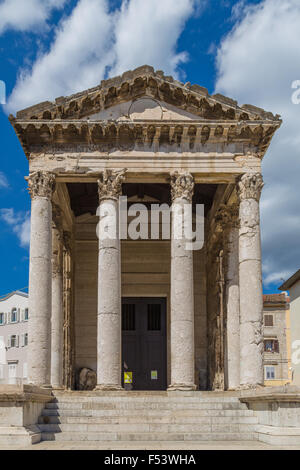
20, 224
147, 33
3, 180
77, 58
257, 63
26, 15
93, 42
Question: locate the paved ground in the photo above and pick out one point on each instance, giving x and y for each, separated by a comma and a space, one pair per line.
228, 445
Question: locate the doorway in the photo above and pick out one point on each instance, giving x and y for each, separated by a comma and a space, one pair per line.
144, 343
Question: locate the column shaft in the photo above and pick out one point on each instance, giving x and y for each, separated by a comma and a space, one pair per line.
41, 186
57, 310
233, 312
182, 291
109, 284
251, 302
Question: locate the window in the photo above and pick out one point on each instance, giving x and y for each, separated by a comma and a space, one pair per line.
2, 318
14, 341
14, 315
268, 320
271, 345
153, 317
25, 370
269, 372
12, 373
26, 314
26, 339
128, 317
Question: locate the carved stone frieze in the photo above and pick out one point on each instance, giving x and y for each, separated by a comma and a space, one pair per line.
103, 136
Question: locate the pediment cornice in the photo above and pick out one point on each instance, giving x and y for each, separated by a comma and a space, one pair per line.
144, 81
190, 136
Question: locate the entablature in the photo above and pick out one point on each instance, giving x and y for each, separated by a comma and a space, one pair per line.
140, 135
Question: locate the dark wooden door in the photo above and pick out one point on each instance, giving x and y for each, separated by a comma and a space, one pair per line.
144, 342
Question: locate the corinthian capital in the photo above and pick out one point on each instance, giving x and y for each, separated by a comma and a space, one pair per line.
182, 186
249, 186
110, 184
41, 183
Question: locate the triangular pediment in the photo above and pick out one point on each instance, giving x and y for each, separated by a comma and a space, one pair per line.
142, 109
140, 94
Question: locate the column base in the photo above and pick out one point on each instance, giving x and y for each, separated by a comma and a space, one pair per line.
58, 387
182, 387
108, 388
44, 386
250, 387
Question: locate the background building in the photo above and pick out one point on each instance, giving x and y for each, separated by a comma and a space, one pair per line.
277, 356
293, 285
13, 337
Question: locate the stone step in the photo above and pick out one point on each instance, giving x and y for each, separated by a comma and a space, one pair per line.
148, 419
148, 428
146, 393
157, 437
147, 398
120, 405
150, 413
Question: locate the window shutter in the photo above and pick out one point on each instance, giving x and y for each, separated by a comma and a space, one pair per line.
19, 315
276, 346
8, 342
17, 341
5, 318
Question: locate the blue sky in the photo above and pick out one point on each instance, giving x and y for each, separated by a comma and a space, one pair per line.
248, 50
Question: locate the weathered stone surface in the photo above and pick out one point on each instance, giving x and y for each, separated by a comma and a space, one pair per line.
251, 301
109, 285
41, 186
182, 294
57, 342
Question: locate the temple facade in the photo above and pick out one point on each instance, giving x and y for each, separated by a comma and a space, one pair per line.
145, 313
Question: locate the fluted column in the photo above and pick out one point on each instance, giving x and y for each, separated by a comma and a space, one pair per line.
41, 186
251, 303
57, 301
109, 283
182, 289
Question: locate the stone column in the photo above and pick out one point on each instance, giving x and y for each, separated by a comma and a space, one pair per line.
109, 338
182, 289
251, 303
57, 323
41, 186
232, 299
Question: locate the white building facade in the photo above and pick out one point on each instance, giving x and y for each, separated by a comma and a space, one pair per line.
293, 286
13, 338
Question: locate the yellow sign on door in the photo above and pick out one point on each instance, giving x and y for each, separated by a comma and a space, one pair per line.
127, 377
